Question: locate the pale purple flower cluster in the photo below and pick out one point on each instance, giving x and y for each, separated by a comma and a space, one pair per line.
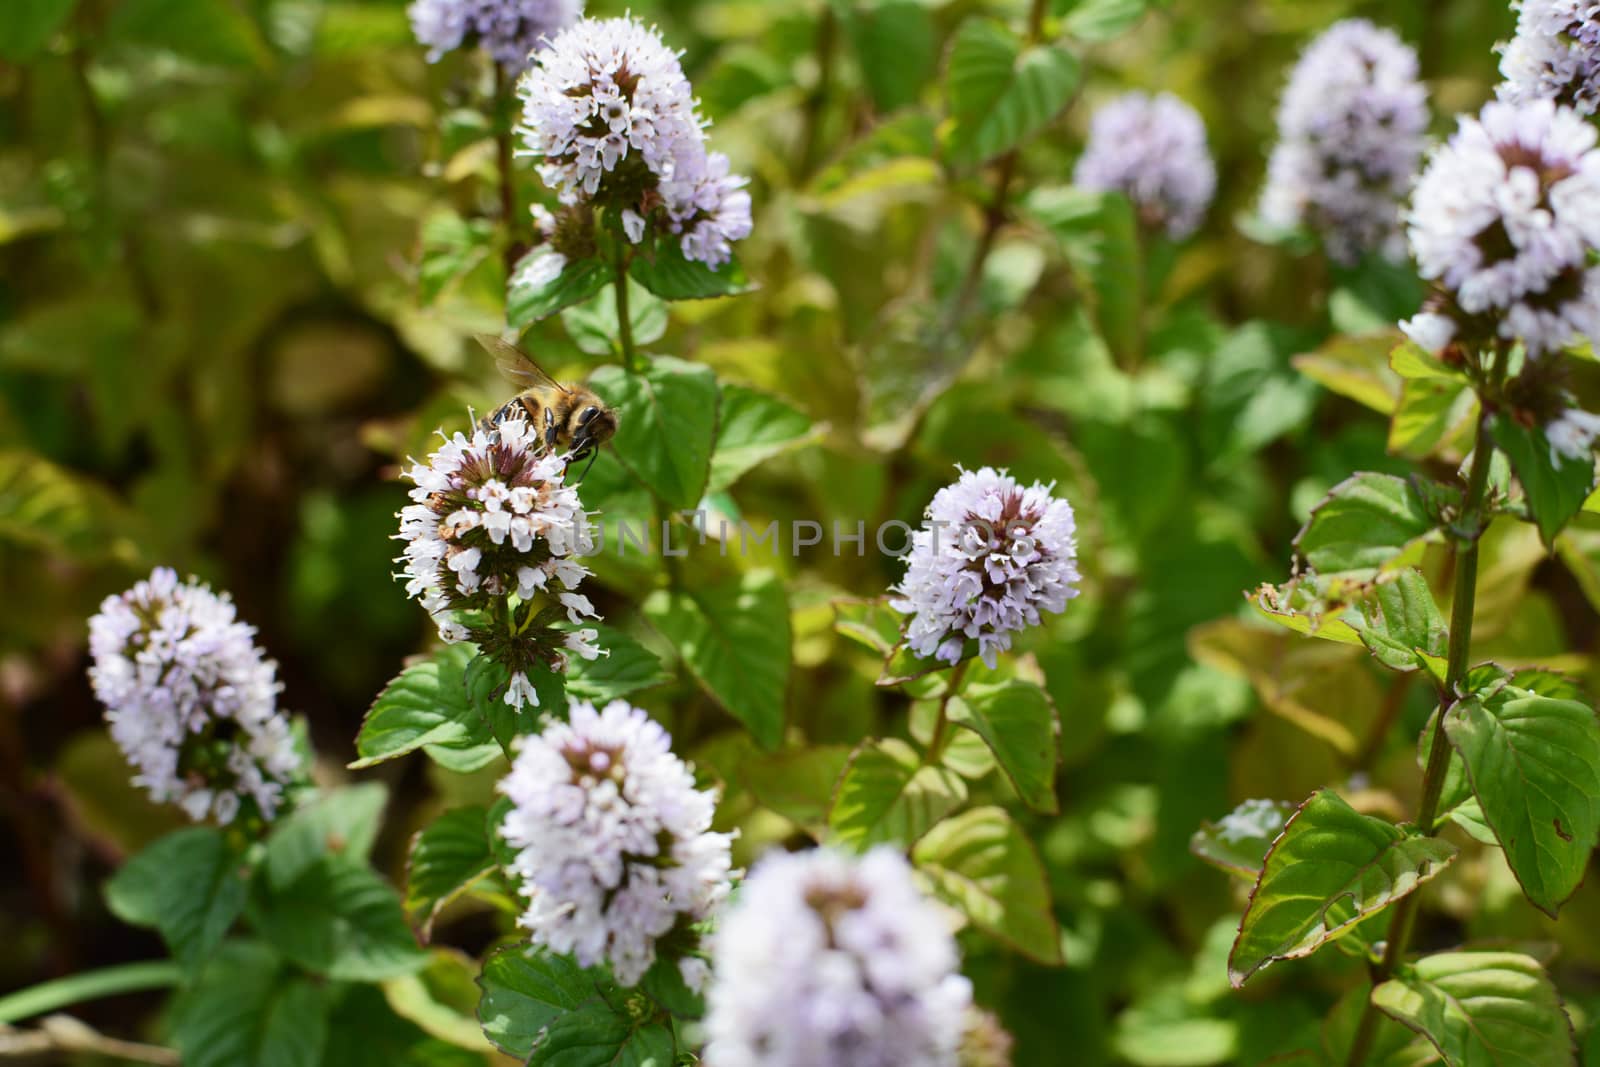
614, 842
1555, 54
190, 699
491, 516
989, 558
832, 959
1505, 220
1154, 150
612, 120
1351, 131
1572, 435
509, 30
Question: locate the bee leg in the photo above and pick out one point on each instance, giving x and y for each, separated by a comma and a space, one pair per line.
593, 454
550, 429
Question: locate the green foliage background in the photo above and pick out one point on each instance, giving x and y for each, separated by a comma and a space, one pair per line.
245, 245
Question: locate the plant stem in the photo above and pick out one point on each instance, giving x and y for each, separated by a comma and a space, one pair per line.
1469, 531
817, 100
87, 985
515, 247
630, 359
941, 724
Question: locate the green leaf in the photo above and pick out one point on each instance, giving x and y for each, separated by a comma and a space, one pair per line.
338, 919
1428, 410
733, 635
796, 783
84, 986
872, 623
188, 885
1555, 493
578, 281
426, 704
526, 989
341, 822
208, 33
1329, 869
752, 428
1101, 20
1400, 624
1356, 367
47, 506
446, 857
595, 329
601, 1037
1482, 1008
26, 26
982, 863
1002, 92
886, 794
896, 49
1239, 841
667, 421
1098, 233
1534, 765
366, 1031
1017, 720
627, 668
452, 248
667, 273
249, 1009
1363, 524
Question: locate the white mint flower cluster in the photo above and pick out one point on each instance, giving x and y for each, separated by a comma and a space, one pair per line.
1572, 435
509, 30
491, 516
190, 699
1154, 150
612, 120
827, 958
1505, 221
1351, 128
989, 558
1555, 54
615, 843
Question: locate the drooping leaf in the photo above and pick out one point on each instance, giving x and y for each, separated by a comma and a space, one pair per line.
1555, 491
667, 422
426, 704
1356, 367
1002, 91
447, 856
1429, 409
47, 506
189, 885
733, 636
753, 428
1101, 20
886, 794
1329, 869
897, 48
1238, 842
872, 623
1482, 1007
594, 327
1363, 524
1017, 720
1400, 623
983, 864
1534, 765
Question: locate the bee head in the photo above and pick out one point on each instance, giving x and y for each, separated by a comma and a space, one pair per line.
593, 424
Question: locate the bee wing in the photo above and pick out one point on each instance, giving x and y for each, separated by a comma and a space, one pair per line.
516, 366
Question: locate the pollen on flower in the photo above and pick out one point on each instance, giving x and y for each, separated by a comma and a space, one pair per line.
1505, 221
828, 958
612, 120
991, 557
1352, 127
1154, 150
191, 700
491, 517
509, 30
614, 842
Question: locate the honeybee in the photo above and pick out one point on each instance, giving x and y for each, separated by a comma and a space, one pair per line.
571, 417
